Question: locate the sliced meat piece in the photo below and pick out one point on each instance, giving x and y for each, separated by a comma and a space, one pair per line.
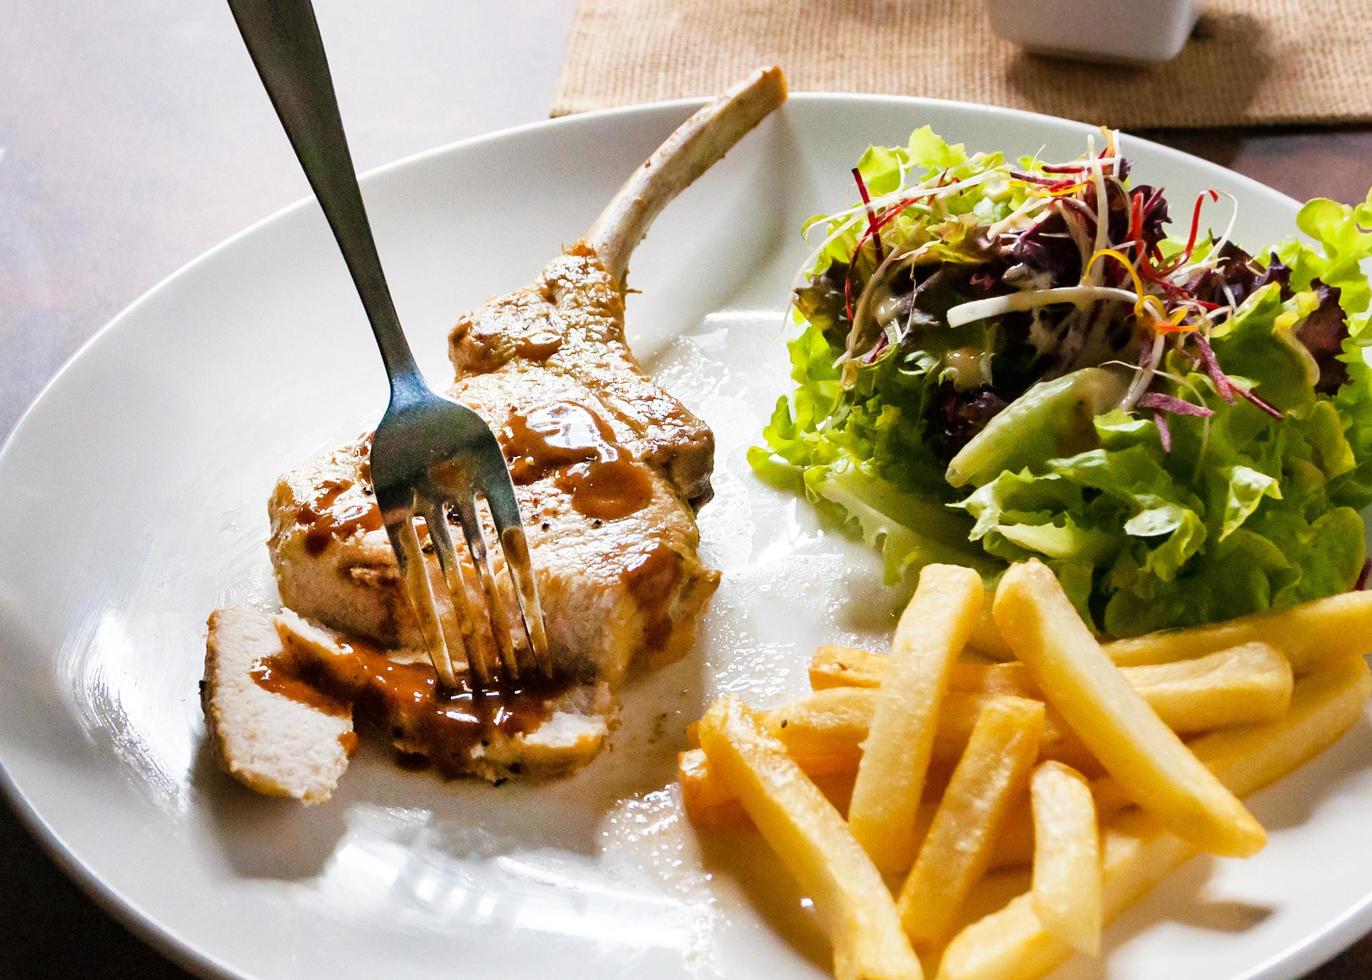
273, 734
544, 729
281, 695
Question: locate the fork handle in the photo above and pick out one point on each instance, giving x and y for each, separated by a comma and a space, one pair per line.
283, 39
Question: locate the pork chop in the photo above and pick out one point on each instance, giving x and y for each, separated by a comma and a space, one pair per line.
609, 471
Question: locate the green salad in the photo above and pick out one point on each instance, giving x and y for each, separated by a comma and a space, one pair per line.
1000, 360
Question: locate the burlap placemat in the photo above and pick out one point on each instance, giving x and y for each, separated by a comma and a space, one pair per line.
1248, 62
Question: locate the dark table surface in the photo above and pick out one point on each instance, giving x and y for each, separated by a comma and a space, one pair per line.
114, 127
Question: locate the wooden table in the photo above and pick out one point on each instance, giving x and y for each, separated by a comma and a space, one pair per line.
133, 136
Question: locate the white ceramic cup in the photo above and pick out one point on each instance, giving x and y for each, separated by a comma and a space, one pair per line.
1136, 32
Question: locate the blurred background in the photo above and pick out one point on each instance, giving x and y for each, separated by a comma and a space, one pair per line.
135, 135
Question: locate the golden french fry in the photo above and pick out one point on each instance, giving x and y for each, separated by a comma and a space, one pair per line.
710, 803
1012, 944
1145, 756
1325, 703
1239, 686
1067, 878
957, 850
1015, 842
931, 633
824, 731
838, 666
1325, 629
1014, 845
707, 799
813, 842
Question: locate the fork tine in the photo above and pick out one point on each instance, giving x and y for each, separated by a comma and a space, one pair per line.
455, 576
516, 547
495, 605
410, 560
505, 512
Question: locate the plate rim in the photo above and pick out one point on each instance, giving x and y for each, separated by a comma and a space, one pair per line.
1300, 957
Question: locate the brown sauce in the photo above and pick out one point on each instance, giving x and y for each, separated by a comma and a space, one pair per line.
573, 444
652, 576
538, 346
349, 742
278, 675
337, 509
405, 702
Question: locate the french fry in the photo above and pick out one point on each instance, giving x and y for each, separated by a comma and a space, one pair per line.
957, 850
710, 803
824, 731
839, 666
1325, 704
707, 799
1145, 756
1325, 629
1012, 944
931, 633
1239, 686
1015, 841
813, 842
1067, 878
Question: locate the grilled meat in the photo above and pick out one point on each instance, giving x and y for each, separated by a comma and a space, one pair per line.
609, 470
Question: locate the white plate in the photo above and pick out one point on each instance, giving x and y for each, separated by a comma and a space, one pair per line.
132, 503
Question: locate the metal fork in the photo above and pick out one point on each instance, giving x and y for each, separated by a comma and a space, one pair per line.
430, 455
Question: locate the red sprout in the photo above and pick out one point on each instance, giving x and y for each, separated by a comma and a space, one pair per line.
1136, 223
1185, 255
1051, 183
1261, 403
1164, 432
1212, 367
1177, 406
894, 211
1363, 576
871, 218
882, 343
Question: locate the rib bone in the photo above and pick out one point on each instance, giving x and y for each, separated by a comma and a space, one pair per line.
692, 149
